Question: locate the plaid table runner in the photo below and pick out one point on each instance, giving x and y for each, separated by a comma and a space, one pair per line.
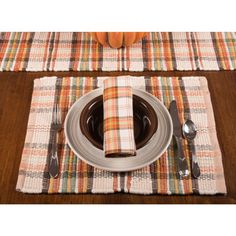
77, 52
118, 117
193, 100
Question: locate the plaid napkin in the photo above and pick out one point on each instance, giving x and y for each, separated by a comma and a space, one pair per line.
118, 117
193, 101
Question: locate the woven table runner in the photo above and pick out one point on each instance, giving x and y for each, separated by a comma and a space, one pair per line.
78, 52
193, 100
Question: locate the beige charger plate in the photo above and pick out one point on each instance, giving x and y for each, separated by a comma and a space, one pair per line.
87, 152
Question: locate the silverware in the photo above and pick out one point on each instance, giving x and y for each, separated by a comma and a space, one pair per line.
189, 132
56, 126
177, 132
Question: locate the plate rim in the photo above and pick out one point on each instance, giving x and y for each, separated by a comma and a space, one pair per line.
139, 166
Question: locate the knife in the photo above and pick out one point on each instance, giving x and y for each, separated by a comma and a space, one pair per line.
177, 132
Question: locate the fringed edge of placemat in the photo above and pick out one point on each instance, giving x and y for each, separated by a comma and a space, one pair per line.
220, 183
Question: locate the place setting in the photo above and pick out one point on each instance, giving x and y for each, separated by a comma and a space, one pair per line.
142, 135
134, 135
134, 109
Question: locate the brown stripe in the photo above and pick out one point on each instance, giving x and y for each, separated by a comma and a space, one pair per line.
73, 51
123, 59
122, 181
120, 153
28, 50
172, 50
118, 141
55, 49
145, 53
100, 56
194, 46
3, 45
50, 50
217, 50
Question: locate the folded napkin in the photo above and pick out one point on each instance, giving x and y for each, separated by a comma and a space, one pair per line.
118, 117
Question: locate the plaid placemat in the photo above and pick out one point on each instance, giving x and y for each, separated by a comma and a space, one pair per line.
118, 117
53, 51
193, 100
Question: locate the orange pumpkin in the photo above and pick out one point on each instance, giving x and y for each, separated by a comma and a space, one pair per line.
117, 39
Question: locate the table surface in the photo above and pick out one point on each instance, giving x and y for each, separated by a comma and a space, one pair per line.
15, 97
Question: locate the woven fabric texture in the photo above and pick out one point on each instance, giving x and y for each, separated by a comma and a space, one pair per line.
54, 51
118, 117
193, 101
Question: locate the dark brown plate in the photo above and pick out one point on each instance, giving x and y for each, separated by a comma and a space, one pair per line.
145, 121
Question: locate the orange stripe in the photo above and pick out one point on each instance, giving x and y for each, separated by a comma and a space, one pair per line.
94, 54
4, 45
115, 182
22, 51
223, 51
167, 51
117, 92
118, 123
80, 181
12, 52
155, 88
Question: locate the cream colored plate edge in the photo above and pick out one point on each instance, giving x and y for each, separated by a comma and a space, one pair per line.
87, 152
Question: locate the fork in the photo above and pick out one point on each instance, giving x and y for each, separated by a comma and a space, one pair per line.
56, 126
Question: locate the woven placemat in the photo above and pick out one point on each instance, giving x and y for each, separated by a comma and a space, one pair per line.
193, 100
54, 51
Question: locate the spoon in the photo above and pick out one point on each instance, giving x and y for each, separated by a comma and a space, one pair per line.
189, 130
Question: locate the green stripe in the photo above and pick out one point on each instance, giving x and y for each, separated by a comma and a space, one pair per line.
231, 48
156, 60
74, 158
85, 52
65, 171
171, 152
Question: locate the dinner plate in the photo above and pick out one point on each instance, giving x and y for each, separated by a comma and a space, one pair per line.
144, 116
94, 156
